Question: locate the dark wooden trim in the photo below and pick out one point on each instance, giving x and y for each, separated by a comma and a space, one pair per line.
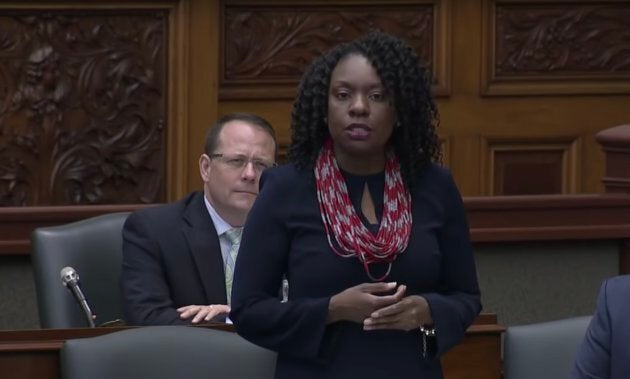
485, 323
16, 340
550, 233
10, 340
617, 136
491, 219
17, 223
62, 213
548, 217
29, 354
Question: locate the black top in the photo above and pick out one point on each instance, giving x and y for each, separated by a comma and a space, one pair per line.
376, 186
171, 258
284, 234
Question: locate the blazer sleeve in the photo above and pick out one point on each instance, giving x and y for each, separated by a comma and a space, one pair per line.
593, 356
296, 327
457, 302
146, 294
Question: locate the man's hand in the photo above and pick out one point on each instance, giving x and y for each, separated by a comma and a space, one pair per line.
359, 302
409, 313
202, 312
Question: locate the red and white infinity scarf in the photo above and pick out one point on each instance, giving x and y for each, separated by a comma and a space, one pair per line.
347, 236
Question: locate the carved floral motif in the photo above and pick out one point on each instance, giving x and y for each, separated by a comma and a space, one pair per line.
570, 39
265, 45
81, 107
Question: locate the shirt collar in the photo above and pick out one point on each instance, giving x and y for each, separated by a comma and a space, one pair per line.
219, 223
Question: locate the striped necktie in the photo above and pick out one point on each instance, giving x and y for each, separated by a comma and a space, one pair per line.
234, 236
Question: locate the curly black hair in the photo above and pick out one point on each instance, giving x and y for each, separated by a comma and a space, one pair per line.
407, 81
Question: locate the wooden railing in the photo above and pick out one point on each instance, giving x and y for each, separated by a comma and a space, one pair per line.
17, 223
492, 219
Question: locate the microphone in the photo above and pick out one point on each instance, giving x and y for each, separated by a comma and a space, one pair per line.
70, 280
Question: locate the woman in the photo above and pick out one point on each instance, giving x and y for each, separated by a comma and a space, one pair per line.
370, 233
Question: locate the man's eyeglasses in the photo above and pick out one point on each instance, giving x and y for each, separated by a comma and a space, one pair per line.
238, 162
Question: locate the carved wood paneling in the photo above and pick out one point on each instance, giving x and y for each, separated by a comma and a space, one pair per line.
562, 39
266, 46
531, 167
82, 106
556, 47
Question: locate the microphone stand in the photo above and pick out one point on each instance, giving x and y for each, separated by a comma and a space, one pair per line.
88, 313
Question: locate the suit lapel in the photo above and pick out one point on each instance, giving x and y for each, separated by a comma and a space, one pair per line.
205, 249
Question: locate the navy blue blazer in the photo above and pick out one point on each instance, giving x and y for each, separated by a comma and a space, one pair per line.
171, 258
605, 351
284, 234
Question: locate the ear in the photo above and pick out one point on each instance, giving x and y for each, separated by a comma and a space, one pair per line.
204, 167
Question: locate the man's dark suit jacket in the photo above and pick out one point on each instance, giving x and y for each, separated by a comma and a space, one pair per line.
605, 351
171, 258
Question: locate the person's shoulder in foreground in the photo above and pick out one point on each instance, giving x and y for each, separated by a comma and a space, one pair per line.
605, 350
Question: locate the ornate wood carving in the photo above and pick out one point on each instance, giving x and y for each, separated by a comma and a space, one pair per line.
82, 106
557, 47
564, 39
266, 47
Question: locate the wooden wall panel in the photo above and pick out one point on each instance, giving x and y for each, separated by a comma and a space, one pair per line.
533, 172
83, 107
556, 47
468, 116
616, 145
266, 45
531, 167
207, 46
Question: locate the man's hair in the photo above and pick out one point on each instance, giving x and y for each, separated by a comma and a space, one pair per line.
212, 137
407, 82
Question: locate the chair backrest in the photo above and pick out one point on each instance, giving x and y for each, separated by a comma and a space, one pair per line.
93, 247
544, 350
158, 352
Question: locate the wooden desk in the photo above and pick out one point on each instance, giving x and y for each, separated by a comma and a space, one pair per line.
479, 356
34, 354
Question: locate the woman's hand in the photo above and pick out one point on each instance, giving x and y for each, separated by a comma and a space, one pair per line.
202, 312
359, 302
409, 313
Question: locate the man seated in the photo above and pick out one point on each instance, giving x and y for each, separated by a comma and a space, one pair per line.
178, 258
